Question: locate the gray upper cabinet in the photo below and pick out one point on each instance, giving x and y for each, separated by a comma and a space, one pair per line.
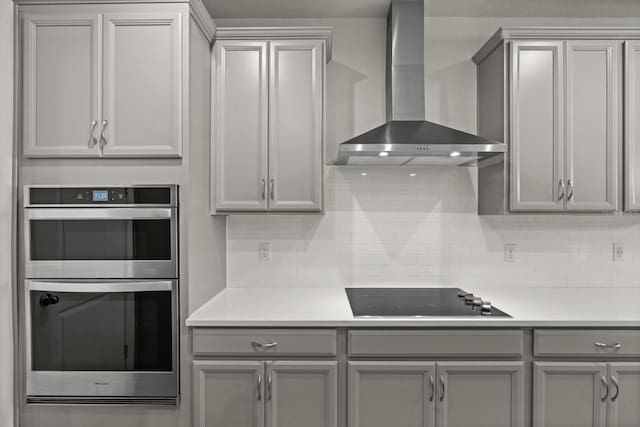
295, 124
536, 126
241, 114
228, 394
570, 394
103, 80
556, 100
632, 125
142, 57
61, 83
384, 394
269, 119
302, 393
624, 396
480, 394
593, 122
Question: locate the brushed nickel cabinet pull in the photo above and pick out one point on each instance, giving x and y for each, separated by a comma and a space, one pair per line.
442, 389
616, 393
570, 185
263, 189
606, 389
103, 139
273, 189
615, 346
92, 138
269, 388
259, 387
432, 388
263, 346
560, 190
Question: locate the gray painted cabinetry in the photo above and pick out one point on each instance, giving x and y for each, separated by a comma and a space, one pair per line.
103, 80
416, 377
272, 394
555, 95
269, 119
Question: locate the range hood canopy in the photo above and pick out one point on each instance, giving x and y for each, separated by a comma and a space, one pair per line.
406, 138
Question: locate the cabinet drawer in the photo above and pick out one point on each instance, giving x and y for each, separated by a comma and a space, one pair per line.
217, 342
596, 343
435, 343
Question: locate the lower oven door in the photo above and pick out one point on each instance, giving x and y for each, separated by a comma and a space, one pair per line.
112, 341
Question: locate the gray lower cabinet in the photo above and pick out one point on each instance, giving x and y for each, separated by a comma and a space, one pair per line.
443, 394
256, 393
624, 398
586, 394
383, 394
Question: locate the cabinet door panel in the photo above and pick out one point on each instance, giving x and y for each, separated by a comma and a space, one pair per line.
632, 126
536, 126
241, 131
295, 125
569, 394
228, 394
61, 83
624, 406
302, 394
592, 127
480, 394
142, 84
383, 394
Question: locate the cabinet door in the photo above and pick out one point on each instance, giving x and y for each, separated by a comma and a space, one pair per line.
296, 125
624, 396
240, 141
593, 143
142, 87
302, 394
383, 394
536, 126
228, 394
61, 84
480, 394
569, 394
632, 126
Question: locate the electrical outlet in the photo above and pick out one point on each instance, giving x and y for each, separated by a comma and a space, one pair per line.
509, 252
618, 252
264, 251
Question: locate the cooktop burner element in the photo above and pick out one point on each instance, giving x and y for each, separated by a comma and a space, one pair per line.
417, 302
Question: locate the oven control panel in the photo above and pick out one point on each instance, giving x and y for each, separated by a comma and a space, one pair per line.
96, 196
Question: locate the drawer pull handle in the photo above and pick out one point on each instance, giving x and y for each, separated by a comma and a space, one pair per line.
615, 346
269, 388
263, 346
606, 388
442, 390
617, 390
432, 388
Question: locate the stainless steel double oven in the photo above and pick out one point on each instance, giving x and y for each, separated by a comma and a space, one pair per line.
101, 294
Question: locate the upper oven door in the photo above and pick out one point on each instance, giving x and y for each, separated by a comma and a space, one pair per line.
100, 243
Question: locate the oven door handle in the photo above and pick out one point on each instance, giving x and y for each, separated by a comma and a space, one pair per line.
100, 213
160, 285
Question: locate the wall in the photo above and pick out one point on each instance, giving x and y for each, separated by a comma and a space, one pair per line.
391, 228
6, 214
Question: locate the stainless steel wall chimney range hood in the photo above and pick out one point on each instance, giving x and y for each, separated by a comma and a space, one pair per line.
406, 138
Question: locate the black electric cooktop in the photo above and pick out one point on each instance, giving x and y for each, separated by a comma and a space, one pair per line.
379, 302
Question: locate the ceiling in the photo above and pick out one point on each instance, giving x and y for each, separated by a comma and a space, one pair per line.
378, 8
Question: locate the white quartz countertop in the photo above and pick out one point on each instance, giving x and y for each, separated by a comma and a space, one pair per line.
329, 307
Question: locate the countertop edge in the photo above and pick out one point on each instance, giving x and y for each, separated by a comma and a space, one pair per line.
397, 324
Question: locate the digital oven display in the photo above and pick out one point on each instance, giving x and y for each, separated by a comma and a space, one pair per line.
100, 195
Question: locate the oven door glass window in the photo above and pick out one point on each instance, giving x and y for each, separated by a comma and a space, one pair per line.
91, 331
113, 239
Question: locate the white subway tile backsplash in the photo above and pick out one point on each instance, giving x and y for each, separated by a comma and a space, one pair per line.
388, 227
